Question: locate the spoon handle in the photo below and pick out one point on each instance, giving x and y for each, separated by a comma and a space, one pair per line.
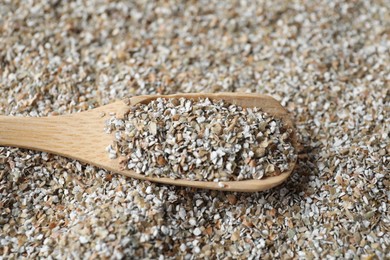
32, 133
79, 136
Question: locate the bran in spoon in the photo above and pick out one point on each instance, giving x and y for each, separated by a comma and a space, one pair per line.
200, 140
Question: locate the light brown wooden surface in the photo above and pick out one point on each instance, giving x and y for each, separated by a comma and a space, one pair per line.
81, 136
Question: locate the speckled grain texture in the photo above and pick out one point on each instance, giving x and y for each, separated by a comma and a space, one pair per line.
327, 62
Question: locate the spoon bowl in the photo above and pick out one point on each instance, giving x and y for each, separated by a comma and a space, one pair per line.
81, 136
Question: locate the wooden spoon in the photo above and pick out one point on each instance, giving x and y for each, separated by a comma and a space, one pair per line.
81, 136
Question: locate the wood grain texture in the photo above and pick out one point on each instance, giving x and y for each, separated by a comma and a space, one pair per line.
81, 136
